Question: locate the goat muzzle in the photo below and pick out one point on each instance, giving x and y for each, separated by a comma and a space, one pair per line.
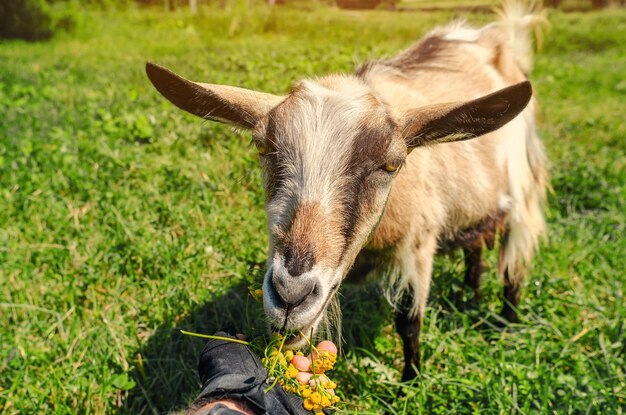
293, 291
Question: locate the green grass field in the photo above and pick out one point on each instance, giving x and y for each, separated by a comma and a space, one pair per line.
123, 220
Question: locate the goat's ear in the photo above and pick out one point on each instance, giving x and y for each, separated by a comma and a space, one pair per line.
228, 104
444, 123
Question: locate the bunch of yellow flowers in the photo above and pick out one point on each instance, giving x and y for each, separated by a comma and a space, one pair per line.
303, 375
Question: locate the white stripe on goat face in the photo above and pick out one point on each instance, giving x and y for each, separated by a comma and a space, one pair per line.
325, 191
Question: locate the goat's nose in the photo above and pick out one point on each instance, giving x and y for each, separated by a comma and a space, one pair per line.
298, 261
292, 291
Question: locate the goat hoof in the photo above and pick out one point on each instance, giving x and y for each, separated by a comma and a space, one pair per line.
510, 315
409, 374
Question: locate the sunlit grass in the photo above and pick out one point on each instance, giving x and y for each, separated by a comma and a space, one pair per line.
123, 220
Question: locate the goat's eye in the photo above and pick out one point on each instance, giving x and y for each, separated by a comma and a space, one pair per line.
261, 147
392, 166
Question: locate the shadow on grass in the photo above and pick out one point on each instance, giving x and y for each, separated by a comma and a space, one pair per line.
165, 367
165, 375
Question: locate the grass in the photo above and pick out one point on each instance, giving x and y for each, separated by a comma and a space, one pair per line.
123, 220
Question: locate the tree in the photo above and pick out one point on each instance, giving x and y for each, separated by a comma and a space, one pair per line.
25, 19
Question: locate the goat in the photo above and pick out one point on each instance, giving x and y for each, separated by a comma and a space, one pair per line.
383, 168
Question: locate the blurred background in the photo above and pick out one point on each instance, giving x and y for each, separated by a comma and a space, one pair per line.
40, 19
124, 220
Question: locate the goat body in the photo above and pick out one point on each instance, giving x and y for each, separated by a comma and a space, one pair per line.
461, 194
381, 169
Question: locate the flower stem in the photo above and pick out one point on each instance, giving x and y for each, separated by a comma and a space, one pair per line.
208, 336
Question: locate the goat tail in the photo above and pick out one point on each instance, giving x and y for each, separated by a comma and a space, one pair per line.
528, 183
520, 21
527, 161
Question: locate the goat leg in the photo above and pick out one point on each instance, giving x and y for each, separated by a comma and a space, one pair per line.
474, 268
409, 330
511, 297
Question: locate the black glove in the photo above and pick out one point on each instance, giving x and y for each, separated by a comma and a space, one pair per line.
230, 370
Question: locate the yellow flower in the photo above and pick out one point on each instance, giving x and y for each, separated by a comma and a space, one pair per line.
325, 401
291, 372
289, 355
255, 293
324, 361
316, 398
305, 392
329, 385
281, 361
